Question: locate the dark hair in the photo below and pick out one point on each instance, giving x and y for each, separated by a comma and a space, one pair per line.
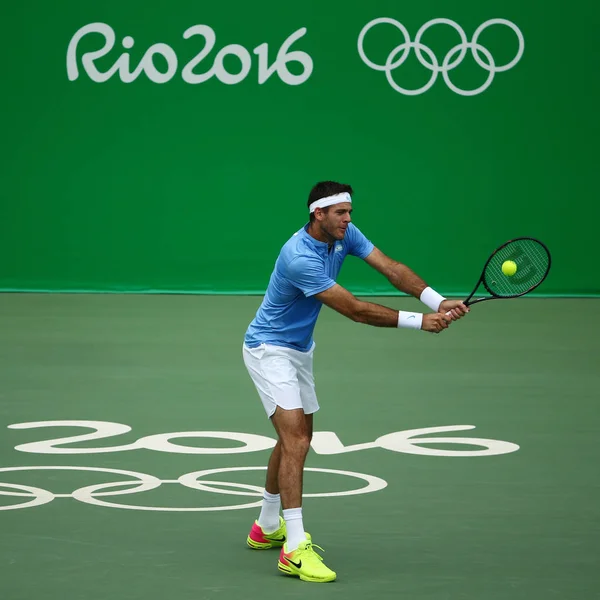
324, 189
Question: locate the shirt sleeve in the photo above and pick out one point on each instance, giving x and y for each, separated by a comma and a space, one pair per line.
358, 245
308, 275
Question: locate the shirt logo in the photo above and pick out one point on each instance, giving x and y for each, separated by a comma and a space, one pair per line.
338, 247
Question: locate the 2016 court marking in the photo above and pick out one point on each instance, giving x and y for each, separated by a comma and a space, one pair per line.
323, 442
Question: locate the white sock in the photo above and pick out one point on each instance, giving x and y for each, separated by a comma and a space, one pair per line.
295, 527
269, 513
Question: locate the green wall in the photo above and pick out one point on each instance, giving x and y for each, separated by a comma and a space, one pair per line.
188, 185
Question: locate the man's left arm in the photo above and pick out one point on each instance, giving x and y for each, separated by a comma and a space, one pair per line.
404, 279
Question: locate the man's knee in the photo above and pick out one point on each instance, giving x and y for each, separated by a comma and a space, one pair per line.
296, 443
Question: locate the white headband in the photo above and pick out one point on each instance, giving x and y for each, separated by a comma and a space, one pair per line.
329, 200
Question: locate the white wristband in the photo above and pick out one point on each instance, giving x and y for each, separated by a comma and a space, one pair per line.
410, 320
429, 297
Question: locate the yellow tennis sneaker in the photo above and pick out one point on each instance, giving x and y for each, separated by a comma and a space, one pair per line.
305, 563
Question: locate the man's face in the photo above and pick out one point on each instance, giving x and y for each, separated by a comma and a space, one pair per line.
336, 220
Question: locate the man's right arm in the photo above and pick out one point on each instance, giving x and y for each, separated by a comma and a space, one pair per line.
344, 302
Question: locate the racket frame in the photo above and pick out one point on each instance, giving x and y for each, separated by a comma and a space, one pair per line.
469, 302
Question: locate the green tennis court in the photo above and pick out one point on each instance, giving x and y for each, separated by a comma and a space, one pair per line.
519, 519
156, 157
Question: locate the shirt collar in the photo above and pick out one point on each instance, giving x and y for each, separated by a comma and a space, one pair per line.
320, 247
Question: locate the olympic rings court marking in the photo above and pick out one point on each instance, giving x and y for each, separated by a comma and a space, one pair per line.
93, 494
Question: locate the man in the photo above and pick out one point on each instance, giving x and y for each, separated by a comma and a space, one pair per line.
278, 353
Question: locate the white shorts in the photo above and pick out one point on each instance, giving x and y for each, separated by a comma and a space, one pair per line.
283, 377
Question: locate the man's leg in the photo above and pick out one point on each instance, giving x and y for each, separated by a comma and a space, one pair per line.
269, 514
298, 556
271, 484
268, 519
294, 429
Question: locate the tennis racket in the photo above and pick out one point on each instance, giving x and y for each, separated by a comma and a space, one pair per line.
532, 260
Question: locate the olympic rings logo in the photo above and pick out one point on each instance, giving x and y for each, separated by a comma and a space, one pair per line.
452, 59
97, 494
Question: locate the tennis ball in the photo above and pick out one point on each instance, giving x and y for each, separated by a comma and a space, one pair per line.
509, 267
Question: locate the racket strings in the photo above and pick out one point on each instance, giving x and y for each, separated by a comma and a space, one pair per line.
532, 260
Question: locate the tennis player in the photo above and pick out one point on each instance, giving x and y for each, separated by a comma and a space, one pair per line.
278, 353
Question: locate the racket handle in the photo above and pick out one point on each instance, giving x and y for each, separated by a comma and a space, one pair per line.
466, 303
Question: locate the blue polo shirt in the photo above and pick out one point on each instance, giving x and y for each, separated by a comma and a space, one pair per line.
304, 267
